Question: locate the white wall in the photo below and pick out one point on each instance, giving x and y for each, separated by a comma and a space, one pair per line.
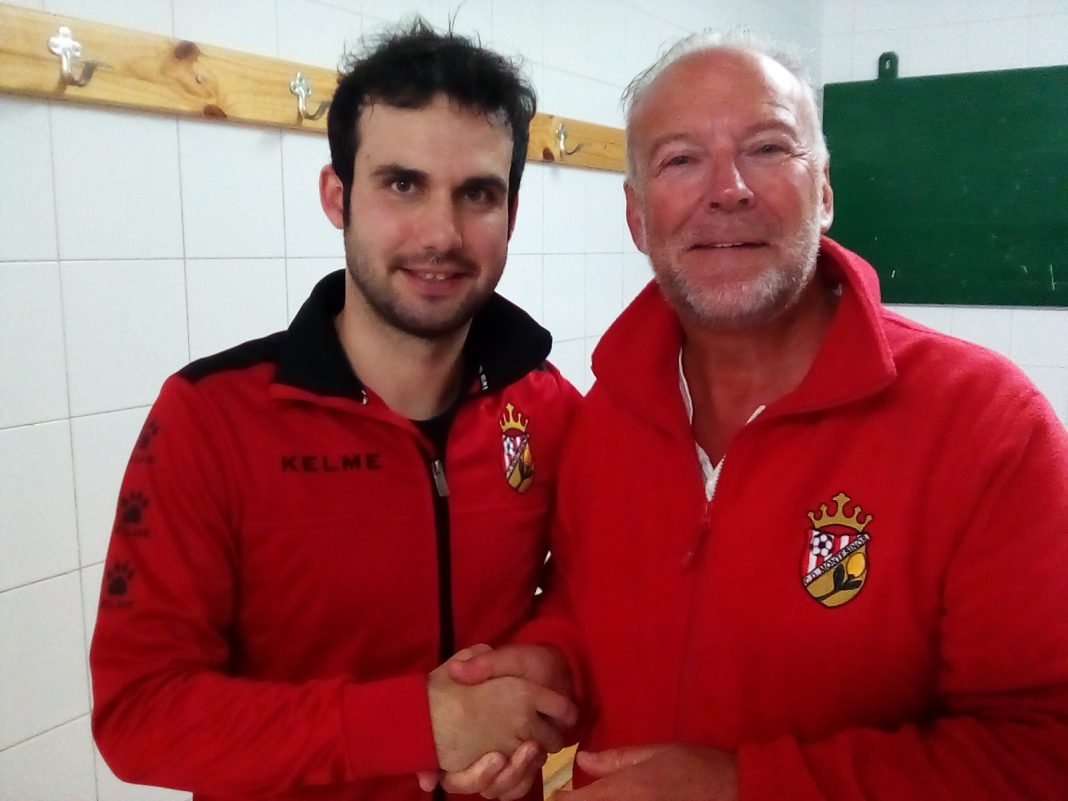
949, 36
172, 239
130, 244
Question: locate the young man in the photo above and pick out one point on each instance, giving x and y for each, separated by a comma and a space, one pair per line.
811, 549
312, 522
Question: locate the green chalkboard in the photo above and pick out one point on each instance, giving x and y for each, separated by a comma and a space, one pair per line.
955, 187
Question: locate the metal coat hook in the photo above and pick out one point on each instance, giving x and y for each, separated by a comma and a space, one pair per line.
561, 142
64, 46
302, 89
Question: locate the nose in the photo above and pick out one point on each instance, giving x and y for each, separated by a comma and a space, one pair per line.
727, 189
439, 226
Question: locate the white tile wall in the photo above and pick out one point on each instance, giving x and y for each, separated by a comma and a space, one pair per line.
152, 16
43, 680
604, 291
996, 44
32, 359
565, 287
128, 242
236, 24
54, 766
312, 33
604, 211
302, 275
27, 208
636, 274
232, 301
564, 215
527, 236
522, 283
125, 324
1048, 40
307, 230
37, 528
518, 29
116, 184
231, 190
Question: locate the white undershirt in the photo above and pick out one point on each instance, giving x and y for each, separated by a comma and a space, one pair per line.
708, 471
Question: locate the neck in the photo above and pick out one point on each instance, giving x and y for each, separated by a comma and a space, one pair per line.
731, 373
417, 378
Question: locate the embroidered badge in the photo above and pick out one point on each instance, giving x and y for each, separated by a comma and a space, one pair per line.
834, 565
518, 458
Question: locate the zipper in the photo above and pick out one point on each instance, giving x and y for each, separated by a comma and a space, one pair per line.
440, 496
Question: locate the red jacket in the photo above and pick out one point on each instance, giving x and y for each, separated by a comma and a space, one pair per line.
283, 574
873, 604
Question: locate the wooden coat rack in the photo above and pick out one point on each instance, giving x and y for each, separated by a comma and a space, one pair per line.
63, 58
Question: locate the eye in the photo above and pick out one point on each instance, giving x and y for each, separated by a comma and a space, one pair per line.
769, 149
679, 160
402, 185
477, 194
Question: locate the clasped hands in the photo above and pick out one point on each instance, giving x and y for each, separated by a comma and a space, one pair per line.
496, 713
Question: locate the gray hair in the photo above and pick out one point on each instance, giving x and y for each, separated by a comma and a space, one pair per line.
739, 39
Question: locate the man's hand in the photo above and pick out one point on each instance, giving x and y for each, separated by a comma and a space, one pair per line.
494, 775
496, 715
539, 664
678, 771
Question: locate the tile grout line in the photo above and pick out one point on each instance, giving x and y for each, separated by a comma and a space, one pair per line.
25, 740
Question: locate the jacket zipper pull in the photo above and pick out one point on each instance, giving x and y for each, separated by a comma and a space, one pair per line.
440, 484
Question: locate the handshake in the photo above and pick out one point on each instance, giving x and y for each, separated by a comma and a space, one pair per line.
496, 713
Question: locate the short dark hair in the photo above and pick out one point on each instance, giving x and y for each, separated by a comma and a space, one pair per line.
407, 67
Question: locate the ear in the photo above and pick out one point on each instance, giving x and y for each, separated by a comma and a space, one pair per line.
332, 196
634, 217
513, 208
826, 199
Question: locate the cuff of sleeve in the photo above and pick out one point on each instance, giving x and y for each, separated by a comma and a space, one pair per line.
387, 725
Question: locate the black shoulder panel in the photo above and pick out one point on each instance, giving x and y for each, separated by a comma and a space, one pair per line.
239, 357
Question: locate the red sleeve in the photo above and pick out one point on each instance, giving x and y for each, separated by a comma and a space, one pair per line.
553, 623
167, 709
1004, 671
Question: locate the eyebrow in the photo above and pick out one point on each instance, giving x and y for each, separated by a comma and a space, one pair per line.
489, 182
399, 172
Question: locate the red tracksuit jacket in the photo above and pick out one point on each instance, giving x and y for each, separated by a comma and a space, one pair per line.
285, 570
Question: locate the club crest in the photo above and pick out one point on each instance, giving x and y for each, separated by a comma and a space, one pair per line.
518, 458
834, 564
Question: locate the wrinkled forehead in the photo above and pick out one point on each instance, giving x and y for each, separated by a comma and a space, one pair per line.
720, 82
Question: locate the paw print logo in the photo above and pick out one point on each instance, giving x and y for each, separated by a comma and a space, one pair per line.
132, 508
148, 431
117, 579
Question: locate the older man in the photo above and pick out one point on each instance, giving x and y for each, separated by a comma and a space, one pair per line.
811, 550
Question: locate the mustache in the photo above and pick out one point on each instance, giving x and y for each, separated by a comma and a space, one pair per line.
453, 259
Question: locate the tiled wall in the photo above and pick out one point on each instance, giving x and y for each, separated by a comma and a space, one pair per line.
949, 36
131, 243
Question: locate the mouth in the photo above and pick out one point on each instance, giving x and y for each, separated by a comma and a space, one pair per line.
715, 245
427, 276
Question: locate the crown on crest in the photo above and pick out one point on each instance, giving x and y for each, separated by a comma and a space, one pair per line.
839, 517
512, 420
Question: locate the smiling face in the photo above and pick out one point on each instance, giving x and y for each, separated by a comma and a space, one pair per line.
729, 192
429, 220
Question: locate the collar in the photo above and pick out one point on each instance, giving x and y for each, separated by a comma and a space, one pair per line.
503, 345
637, 359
